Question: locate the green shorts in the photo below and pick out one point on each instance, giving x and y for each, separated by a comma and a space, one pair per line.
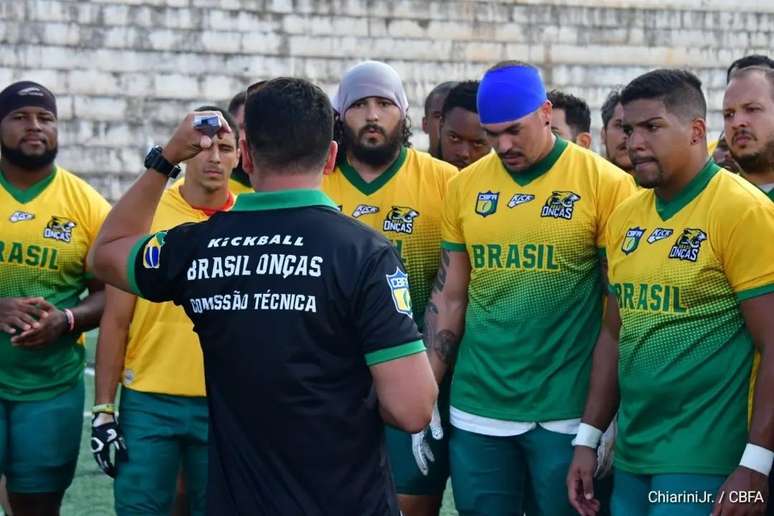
163, 434
405, 472
40, 440
664, 495
492, 475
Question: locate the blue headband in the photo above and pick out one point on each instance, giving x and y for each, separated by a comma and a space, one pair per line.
507, 94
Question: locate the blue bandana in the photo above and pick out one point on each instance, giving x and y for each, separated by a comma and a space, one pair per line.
508, 94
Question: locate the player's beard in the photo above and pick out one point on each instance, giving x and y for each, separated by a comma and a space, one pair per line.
375, 156
25, 161
760, 162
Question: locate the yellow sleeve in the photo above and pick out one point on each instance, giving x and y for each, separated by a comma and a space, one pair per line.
452, 238
747, 252
615, 186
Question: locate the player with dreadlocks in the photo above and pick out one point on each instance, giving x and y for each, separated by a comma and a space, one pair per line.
383, 182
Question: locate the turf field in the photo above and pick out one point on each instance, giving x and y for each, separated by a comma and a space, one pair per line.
91, 493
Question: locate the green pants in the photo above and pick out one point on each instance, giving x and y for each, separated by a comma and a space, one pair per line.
664, 495
490, 475
162, 433
405, 472
39, 441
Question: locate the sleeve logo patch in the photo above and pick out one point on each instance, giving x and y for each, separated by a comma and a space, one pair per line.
59, 228
486, 203
688, 245
560, 205
399, 287
632, 240
151, 254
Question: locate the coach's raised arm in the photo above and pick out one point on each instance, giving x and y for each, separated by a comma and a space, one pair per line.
304, 316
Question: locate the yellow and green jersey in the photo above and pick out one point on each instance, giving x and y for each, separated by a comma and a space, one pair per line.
679, 270
404, 204
163, 354
535, 242
239, 182
45, 234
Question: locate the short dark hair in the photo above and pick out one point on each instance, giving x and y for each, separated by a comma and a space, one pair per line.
237, 102
679, 90
747, 61
608, 107
463, 95
576, 111
288, 125
442, 89
230, 119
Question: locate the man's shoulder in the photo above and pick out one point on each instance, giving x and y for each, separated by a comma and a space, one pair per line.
424, 163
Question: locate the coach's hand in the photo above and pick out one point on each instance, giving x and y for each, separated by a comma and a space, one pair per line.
20, 314
106, 437
744, 493
580, 481
187, 142
420, 447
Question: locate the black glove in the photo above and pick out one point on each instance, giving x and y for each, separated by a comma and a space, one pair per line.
105, 436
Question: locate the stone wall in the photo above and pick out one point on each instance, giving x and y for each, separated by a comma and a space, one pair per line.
125, 71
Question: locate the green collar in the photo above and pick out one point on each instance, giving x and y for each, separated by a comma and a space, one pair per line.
667, 209
25, 196
369, 188
541, 167
281, 200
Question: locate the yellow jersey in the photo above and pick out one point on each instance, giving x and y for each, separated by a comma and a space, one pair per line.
163, 354
404, 204
534, 241
45, 233
679, 270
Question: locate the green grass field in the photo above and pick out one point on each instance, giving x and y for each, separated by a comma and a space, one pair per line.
91, 493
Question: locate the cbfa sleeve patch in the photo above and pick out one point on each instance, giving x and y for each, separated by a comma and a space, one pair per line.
399, 287
151, 254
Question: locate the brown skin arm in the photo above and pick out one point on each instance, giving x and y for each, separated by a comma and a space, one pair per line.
132, 215
601, 406
406, 391
54, 325
758, 314
111, 345
445, 313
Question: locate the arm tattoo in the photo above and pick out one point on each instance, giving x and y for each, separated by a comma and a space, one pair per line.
440, 278
443, 344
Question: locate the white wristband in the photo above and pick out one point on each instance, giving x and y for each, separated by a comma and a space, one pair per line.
587, 436
757, 458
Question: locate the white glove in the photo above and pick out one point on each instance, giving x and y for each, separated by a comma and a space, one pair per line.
420, 446
605, 451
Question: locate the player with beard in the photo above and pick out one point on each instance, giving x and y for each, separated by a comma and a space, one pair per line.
691, 270
748, 111
613, 137
519, 294
48, 220
384, 183
463, 141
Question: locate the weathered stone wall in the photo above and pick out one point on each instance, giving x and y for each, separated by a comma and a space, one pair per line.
126, 70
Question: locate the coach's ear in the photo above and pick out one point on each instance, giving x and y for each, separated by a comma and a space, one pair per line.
247, 159
584, 140
330, 162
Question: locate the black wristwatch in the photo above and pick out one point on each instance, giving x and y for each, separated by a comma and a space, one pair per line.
156, 160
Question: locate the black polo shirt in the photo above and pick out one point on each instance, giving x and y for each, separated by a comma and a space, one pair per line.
292, 302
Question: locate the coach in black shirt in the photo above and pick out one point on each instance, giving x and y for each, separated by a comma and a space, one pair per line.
303, 315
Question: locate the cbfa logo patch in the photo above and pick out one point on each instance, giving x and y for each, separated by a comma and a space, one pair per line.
151, 254
486, 203
659, 234
399, 286
21, 216
632, 240
400, 219
560, 205
520, 198
364, 209
688, 245
59, 228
